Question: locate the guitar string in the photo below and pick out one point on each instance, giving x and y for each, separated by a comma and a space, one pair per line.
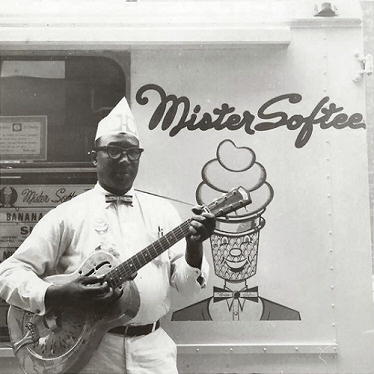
166, 197
134, 263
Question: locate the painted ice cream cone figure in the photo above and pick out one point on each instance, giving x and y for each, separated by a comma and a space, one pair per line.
235, 241
7, 196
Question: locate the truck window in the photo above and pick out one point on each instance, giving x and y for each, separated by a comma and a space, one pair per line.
72, 94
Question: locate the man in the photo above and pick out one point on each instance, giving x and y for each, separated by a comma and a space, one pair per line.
98, 219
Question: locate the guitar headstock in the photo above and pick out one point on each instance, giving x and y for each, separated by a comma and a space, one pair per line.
237, 198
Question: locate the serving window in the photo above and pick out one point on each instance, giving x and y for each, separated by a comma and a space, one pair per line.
50, 107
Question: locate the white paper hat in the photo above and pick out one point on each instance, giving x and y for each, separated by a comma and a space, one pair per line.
119, 120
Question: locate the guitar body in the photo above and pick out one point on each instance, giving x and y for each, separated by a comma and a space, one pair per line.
64, 342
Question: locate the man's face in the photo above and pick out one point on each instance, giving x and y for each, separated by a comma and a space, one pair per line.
116, 176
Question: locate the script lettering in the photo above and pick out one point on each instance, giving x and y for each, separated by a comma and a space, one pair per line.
170, 105
175, 114
32, 197
62, 196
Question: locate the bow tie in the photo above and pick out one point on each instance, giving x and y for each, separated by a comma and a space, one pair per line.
126, 199
220, 294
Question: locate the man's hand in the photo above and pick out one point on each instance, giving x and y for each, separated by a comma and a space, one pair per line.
201, 228
83, 292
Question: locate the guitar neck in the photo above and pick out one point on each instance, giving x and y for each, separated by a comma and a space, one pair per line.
123, 271
235, 199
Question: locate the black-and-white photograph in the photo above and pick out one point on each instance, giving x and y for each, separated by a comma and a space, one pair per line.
186, 186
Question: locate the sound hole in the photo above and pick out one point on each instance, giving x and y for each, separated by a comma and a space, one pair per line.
99, 267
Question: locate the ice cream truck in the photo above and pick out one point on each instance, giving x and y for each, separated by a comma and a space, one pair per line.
265, 96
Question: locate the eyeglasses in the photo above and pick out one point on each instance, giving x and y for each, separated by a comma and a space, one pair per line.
116, 153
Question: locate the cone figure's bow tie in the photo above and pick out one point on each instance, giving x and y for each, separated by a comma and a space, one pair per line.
126, 199
220, 294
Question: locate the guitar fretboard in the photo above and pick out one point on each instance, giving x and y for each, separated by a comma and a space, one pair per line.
123, 271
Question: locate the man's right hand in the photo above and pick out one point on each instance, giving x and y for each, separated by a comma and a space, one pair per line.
83, 292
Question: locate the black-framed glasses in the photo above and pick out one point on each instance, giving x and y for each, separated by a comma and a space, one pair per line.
116, 153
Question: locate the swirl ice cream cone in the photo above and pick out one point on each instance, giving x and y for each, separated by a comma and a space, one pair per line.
236, 239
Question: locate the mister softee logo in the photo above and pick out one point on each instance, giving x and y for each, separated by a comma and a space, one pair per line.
11, 197
325, 114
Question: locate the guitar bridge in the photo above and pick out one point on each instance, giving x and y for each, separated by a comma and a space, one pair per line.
31, 336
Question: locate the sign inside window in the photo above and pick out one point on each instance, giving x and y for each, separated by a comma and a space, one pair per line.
23, 138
